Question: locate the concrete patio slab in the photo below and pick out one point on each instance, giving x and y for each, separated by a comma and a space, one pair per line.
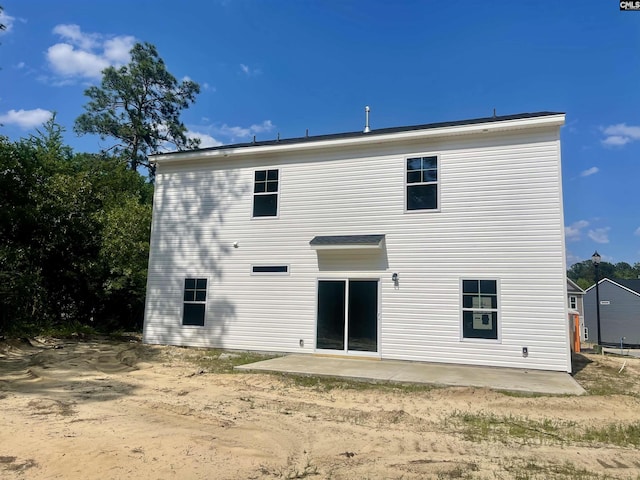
532, 381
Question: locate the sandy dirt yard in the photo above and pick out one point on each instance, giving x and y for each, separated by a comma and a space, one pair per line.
103, 409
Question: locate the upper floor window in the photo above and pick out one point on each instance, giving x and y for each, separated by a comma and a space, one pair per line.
265, 193
422, 183
480, 309
573, 302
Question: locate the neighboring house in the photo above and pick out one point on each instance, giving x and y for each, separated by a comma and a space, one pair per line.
437, 243
575, 303
619, 312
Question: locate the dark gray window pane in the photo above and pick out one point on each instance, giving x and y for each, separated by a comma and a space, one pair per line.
413, 177
201, 283
201, 295
259, 187
272, 175
189, 295
488, 286
489, 301
189, 283
429, 162
478, 324
467, 301
430, 176
422, 197
331, 303
470, 286
414, 163
270, 269
272, 186
265, 205
363, 315
261, 175
193, 314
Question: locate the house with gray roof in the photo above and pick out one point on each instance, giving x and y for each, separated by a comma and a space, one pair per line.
418, 243
619, 312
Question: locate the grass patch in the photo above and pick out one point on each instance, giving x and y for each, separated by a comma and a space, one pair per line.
220, 361
614, 434
490, 427
326, 384
70, 330
598, 375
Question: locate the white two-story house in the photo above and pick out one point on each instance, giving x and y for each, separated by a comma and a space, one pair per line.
436, 243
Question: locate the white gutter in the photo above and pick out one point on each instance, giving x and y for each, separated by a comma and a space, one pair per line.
372, 137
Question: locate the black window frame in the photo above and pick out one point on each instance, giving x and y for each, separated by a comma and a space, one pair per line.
194, 301
573, 302
480, 312
271, 269
266, 193
425, 177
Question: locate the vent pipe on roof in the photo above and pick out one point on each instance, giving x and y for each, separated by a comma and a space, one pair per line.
366, 119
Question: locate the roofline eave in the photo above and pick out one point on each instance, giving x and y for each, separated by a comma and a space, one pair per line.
372, 137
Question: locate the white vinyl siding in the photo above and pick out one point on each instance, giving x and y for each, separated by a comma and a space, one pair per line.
500, 205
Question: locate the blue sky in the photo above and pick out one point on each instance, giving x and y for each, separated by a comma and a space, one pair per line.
280, 66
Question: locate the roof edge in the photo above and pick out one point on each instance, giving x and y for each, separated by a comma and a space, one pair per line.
477, 125
630, 290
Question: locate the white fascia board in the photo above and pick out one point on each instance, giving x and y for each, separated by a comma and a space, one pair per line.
575, 285
621, 286
476, 128
347, 247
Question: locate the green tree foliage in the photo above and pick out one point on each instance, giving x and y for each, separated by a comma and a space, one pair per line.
139, 105
74, 233
583, 273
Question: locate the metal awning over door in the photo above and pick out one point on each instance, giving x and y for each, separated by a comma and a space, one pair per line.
347, 242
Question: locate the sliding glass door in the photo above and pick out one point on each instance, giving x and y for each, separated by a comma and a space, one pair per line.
347, 315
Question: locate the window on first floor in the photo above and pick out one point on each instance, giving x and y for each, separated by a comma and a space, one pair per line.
480, 309
573, 302
195, 300
265, 193
422, 183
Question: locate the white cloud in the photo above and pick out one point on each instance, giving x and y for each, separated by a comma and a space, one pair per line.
616, 141
7, 21
637, 232
73, 34
116, 50
69, 62
589, 171
599, 235
620, 134
206, 140
248, 71
26, 118
573, 232
571, 258
242, 132
86, 55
